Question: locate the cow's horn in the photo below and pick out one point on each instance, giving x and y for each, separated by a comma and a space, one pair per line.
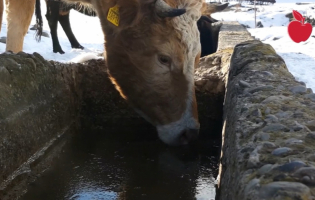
164, 10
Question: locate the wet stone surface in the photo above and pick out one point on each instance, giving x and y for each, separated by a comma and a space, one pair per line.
128, 163
282, 151
284, 190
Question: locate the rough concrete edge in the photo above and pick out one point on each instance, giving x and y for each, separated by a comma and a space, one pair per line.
42, 154
231, 33
227, 28
244, 191
34, 166
211, 75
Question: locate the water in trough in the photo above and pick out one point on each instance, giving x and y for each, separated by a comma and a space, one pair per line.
128, 162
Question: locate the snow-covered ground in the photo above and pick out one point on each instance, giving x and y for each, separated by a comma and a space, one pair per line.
299, 57
86, 29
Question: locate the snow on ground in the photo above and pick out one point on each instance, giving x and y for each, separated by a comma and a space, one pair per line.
86, 29
299, 57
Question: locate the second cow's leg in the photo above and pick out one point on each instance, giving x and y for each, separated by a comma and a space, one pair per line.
52, 18
19, 15
65, 23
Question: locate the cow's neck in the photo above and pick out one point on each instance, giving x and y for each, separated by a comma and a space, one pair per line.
101, 11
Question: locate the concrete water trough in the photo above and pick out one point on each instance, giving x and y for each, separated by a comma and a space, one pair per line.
65, 133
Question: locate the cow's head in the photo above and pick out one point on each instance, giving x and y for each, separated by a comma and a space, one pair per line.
151, 55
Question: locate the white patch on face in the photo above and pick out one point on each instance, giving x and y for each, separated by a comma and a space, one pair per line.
186, 24
170, 133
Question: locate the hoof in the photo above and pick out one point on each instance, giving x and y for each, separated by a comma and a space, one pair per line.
59, 51
33, 28
77, 47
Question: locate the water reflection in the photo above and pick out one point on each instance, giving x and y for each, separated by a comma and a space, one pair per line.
205, 189
87, 194
122, 164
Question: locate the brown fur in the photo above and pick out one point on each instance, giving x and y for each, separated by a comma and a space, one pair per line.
195, 108
19, 15
131, 49
1, 13
134, 41
134, 48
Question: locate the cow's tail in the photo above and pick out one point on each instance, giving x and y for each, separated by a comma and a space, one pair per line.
39, 21
85, 9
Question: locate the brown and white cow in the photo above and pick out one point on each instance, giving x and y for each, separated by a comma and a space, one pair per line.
19, 15
151, 47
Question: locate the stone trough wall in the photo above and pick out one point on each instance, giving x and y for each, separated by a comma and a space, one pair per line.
268, 122
269, 128
35, 107
42, 100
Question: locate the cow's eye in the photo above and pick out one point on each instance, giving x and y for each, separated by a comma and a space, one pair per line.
165, 60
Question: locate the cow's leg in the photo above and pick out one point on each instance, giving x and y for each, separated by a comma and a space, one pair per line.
1, 13
19, 15
52, 18
65, 23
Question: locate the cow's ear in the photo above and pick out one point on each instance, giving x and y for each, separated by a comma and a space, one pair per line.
123, 14
209, 8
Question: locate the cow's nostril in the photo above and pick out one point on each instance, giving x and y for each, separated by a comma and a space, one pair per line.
188, 135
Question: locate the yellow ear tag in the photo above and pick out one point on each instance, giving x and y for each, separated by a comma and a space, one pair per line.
113, 15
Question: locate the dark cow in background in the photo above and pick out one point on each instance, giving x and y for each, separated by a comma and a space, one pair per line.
58, 10
208, 36
207, 40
